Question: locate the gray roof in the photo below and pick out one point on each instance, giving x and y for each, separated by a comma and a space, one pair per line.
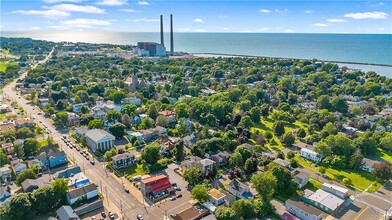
237, 185
228, 195
66, 212
207, 162
68, 172
78, 192
305, 207
281, 162
98, 134
326, 199
34, 183
122, 156
302, 175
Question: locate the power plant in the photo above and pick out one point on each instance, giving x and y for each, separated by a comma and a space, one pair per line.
146, 49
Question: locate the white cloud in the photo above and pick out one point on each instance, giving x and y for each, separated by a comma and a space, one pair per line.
381, 3
51, 14
289, 30
380, 29
337, 20
35, 28
320, 25
198, 20
143, 3
58, 1
84, 23
200, 30
112, 2
367, 15
77, 8
281, 11
145, 20
226, 29
130, 10
264, 11
308, 12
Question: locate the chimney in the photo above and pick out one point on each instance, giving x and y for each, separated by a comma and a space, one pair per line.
162, 30
171, 35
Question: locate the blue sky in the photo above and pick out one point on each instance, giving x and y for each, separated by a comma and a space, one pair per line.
323, 16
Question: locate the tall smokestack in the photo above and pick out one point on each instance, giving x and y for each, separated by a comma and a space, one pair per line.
171, 35
162, 42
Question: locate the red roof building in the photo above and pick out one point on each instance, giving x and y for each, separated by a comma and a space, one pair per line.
156, 187
167, 113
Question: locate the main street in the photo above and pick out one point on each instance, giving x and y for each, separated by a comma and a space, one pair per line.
110, 187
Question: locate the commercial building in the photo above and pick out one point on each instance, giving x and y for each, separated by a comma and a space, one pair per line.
338, 191
98, 139
156, 187
151, 49
194, 212
323, 200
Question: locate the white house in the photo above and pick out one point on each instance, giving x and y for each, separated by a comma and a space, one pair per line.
216, 197
5, 173
367, 164
99, 139
302, 179
78, 107
88, 191
310, 155
303, 210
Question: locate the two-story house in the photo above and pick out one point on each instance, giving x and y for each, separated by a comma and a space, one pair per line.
5, 173
240, 190
310, 155
123, 160
18, 166
216, 197
169, 115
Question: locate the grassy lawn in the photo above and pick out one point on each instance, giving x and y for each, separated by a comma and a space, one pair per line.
360, 179
129, 171
313, 185
43, 143
383, 154
3, 66
2, 115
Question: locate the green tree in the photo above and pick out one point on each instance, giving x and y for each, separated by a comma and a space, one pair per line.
181, 110
249, 166
24, 175
126, 120
200, 193
285, 183
288, 139
151, 153
323, 149
323, 102
225, 213
278, 128
244, 208
43, 199
95, 124
346, 181
129, 109
339, 104
301, 133
179, 150
24, 133
62, 117
244, 151
322, 170
265, 184
3, 157
117, 130
255, 114
246, 122
118, 96
356, 160
386, 141
161, 121
20, 207
60, 188
383, 171
236, 160
109, 154
112, 115
30, 146
146, 123
191, 175
153, 111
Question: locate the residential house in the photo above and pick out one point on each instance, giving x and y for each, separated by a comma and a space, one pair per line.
204, 165
136, 119
3, 108
66, 212
18, 166
132, 100
338, 191
300, 145
194, 212
73, 119
7, 127
8, 148
98, 139
156, 187
221, 158
43, 102
302, 179
29, 185
88, 191
5, 173
4, 193
240, 190
323, 200
78, 107
310, 155
229, 198
216, 197
35, 162
283, 163
24, 122
169, 115
368, 164
82, 130
137, 135
132, 83
190, 140
123, 160
78, 180
302, 210
67, 172
207, 165
52, 157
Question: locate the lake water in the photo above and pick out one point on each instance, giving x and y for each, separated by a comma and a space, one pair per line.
361, 48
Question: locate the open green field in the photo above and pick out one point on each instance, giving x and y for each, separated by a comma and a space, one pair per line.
129, 171
3, 66
360, 179
383, 154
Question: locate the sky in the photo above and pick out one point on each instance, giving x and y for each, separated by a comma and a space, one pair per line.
306, 16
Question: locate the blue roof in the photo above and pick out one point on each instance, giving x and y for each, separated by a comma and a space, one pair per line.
82, 182
247, 195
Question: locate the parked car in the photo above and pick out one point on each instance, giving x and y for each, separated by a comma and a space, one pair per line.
103, 214
93, 218
92, 162
127, 190
139, 217
172, 198
179, 195
111, 215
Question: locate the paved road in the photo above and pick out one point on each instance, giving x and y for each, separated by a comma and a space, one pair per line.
109, 186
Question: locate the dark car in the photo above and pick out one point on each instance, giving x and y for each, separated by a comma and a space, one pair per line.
92, 162
139, 217
127, 191
103, 214
179, 195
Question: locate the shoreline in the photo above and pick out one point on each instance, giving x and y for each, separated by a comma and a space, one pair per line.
285, 58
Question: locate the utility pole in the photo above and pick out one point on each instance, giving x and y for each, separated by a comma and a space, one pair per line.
106, 189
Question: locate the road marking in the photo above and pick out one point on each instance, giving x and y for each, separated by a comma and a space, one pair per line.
361, 213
